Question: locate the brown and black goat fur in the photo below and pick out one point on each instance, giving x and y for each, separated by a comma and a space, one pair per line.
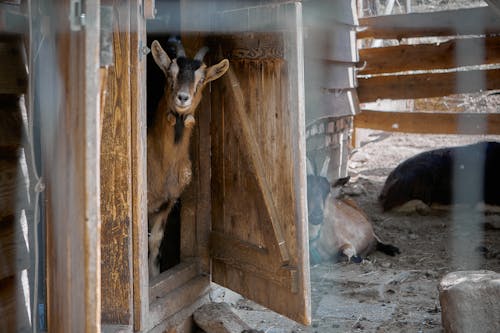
168, 161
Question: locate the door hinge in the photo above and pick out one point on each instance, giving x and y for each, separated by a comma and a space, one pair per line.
143, 50
77, 15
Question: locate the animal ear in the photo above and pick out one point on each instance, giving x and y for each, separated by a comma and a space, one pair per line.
341, 181
160, 56
216, 71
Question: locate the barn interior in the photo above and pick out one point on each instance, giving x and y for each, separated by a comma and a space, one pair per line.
366, 83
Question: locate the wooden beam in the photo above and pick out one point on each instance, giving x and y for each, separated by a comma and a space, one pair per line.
473, 51
427, 85
116, 179
138, 165
472, 21
177, 300
172, 279
429, 123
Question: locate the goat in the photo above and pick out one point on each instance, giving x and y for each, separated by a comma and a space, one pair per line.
341, 226
168, 162
453, 175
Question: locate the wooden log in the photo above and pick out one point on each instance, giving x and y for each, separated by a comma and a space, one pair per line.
473, 21
427, 85
429, 123
430, 56
218, 318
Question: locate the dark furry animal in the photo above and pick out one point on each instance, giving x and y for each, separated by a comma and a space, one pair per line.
455, 175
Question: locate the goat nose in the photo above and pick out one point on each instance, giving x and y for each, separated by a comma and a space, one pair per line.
182, 97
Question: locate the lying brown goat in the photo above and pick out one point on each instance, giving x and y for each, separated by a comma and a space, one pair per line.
169, 165
337, 226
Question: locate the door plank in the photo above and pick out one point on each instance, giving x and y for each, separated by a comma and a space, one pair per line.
473, 51
471, 21
429, 122
427, 85
250, 143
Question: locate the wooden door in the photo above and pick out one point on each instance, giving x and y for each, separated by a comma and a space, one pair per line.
259, 237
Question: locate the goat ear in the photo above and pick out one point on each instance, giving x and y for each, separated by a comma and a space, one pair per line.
160, 56
341, 181
216, 71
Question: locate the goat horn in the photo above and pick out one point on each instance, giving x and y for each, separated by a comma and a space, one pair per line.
324, 169
180, 50
201, 53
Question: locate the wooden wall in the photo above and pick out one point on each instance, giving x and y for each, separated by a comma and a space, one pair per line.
431, 55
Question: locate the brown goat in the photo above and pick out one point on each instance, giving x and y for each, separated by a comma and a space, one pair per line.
169, 165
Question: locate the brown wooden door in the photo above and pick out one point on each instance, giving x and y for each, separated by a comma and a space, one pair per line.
258, 241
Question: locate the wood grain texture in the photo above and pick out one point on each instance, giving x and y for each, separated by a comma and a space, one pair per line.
427, 85
116, 179
13, 309
473, 21
15, 257
138, 166
473, 51
13, 75
429, 122
70, 160
257, 112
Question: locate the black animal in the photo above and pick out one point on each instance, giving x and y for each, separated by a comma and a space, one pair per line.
455, 175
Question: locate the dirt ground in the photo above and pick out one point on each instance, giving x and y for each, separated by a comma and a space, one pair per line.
392, 294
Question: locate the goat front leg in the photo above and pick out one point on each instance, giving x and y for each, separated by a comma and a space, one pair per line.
157, 221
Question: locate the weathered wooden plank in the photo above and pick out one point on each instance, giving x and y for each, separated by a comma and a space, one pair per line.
270, 93
251, 144
219, 318
11, 124
13, 75
13, 309
177, 300
116, 179
451, 54
474, 21
139, 163
69, 114
245, 255
13, 248
427, 85
172, 279
429, 123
